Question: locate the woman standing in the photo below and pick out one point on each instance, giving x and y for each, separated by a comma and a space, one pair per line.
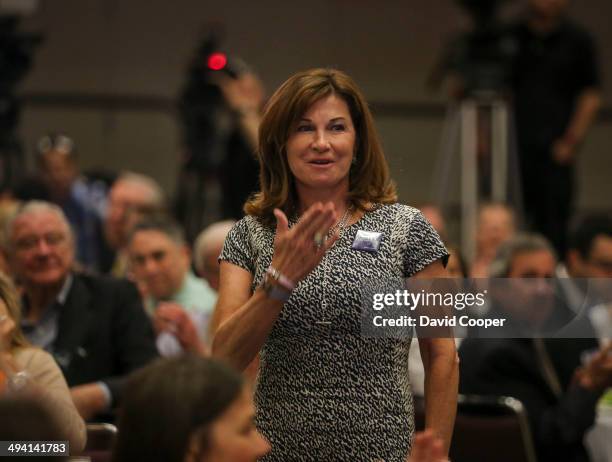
325, 220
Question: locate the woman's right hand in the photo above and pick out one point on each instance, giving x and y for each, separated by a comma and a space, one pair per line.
295, 251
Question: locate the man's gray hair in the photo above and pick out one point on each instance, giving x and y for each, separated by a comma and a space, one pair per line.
521, 243
211, 237
158, 198
34, 207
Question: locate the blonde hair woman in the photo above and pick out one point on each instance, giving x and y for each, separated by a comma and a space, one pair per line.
30, 371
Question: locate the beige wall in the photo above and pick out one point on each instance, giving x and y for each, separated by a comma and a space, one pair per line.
141, 47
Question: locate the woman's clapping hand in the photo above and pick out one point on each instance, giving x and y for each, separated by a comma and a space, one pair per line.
296, 252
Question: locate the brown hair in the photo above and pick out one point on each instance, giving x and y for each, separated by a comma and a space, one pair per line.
189, 391
369, 180
9, 296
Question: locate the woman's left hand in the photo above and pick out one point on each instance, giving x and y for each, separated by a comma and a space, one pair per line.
427, 448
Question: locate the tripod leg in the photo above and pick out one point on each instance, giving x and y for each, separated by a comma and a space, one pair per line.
446, 157
469, 177
499, 167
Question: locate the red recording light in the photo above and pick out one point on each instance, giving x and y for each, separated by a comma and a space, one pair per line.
217, 61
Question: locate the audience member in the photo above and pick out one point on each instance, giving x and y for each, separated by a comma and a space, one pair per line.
556, 98
32, 373
456, 266
590, 248
496, 224
194, 409
589, 267
180, 303
95, 327
434, 215
188, 409
207, 249
131, 197
24, 419
8, 207
59, 180
558, 380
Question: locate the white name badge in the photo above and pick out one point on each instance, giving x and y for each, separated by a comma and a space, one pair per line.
367, 241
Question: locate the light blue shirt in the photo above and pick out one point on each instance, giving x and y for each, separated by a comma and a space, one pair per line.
198, 300
43, 332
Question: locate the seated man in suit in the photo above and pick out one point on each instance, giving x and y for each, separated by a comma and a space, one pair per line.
95, 327
587, 274
559, 380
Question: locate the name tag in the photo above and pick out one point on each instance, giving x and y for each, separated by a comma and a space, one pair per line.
367, 241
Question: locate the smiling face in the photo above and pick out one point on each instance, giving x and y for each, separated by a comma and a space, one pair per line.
42, 248
159, 263
531, 298
321, 147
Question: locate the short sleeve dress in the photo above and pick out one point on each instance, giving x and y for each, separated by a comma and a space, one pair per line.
324, 391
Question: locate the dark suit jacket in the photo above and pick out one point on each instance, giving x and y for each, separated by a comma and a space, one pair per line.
103, 333
510, 367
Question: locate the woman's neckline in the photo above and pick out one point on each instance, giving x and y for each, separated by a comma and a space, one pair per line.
373, 208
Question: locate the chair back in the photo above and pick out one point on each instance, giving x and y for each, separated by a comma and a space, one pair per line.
491, 428
487, 428
100, 441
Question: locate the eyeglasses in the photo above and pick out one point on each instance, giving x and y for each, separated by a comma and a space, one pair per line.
55, 143
30, 242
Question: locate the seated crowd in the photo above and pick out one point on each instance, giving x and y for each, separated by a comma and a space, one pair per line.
87, 309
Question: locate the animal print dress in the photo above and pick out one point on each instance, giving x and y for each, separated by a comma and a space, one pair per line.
324, 391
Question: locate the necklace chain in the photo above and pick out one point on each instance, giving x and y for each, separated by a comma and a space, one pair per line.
341, 224
325, 263
338, 226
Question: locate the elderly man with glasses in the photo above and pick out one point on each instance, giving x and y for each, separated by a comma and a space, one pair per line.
95, 327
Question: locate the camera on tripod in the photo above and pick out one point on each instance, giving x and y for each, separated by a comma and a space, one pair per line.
482, 58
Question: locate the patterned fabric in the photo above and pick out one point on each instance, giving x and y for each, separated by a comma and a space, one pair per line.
325, 392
